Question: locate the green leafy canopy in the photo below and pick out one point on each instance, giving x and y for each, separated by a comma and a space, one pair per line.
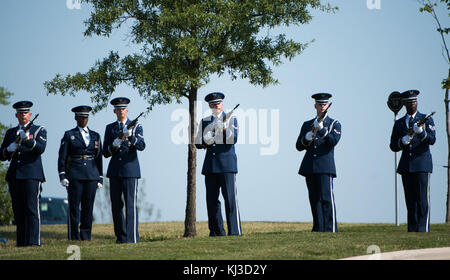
184, 42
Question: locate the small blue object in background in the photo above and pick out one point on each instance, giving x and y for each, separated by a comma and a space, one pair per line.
2, 240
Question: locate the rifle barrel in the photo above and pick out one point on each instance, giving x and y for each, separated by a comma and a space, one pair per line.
228, 115
320, 119
26, 129
420, 123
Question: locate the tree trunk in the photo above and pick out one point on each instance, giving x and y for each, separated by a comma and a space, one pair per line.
447, 118
190, 218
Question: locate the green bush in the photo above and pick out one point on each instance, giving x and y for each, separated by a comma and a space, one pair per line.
6, 213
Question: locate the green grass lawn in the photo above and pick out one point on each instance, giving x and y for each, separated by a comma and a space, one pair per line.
261, 240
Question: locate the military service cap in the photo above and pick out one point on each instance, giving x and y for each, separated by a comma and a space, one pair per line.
214, 97
322, 98
23, 106
82, 111
120, 102
410, 96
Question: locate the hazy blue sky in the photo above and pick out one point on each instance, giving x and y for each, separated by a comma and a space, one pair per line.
360, 55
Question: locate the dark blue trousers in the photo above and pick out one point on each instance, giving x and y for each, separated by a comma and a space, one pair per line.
25, 196
417, 196
125, 228
81, 193
214, 183
321, 198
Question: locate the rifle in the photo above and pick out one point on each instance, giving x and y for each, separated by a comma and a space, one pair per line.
228, 115
18, 140
130, 125
320, 119
420, 123
224, 120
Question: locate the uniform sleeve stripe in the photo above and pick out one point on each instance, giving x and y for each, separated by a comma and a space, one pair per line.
326, 133
425, 135
34, 144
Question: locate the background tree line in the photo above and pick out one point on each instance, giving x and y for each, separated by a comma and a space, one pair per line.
6, 213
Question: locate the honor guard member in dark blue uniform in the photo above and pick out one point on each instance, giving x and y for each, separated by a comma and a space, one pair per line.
124, 171
25, 173
80, 171
318, 165
220, 166
415, 164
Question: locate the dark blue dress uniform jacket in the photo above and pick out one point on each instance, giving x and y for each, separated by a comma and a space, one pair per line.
416, 157
124, 161
71, 166
319, 156
220, 157
26, 162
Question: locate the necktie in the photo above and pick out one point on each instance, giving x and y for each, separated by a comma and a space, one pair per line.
120, 126
85, 135
411, 122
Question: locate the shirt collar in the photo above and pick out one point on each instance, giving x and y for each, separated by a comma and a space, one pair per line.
413, 115
218, 116
86, 129
22, 126
124, 123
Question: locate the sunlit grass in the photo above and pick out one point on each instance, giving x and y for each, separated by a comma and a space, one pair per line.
261, 240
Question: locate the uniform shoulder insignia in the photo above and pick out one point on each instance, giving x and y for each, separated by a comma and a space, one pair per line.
335, 129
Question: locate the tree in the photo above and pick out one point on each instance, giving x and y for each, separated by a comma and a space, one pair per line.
6, 213
183, 43
429, 7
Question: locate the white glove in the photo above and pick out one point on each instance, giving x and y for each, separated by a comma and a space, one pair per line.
406, 139
309, 136
12, 147
117, 143
126, 132
417, 129
209, 137
219, 125
24, 135
99, 185
318, 125
64, 183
